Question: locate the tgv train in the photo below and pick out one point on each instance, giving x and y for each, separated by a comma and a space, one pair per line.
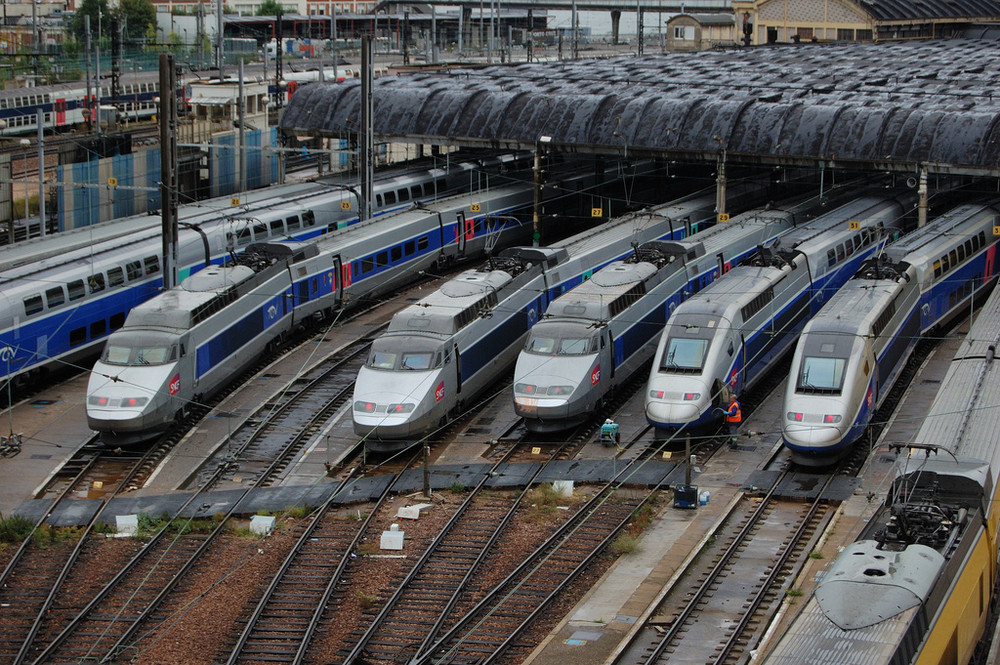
200, 342
851, 354
438, 354
727, 336
61, 296
593, 338
917, 584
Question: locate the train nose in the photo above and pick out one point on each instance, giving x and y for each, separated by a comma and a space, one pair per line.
670, 413
811, 435
677, 408
133, 405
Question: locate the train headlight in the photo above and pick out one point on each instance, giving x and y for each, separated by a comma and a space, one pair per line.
400, 408
834, 418
559, 390
690, 397
97, 401
525, 388
365, 407
134, 401
656, 394
794, 415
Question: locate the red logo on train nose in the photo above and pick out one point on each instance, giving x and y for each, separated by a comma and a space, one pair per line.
175, 384
439, 392
595, 376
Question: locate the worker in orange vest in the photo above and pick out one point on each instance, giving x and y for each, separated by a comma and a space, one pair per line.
733, 418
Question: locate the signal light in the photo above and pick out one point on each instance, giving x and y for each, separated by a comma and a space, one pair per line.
793, 415
526, 388
689, 397
656, 394
367, 407
835, 418
560, 390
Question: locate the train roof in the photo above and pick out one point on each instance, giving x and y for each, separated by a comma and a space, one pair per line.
452, 306
176, 308
964, 416
604, 295
741, 285
853, 309
940, 231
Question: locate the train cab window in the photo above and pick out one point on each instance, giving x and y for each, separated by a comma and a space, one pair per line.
277, 227
308, 219
151, 264
259, 231
55, 297
77, 336
382, 259
396, 253
831, 257
32, 305
116, 321
96, 282
116, 277
292, 224
76, 290
390, 198
408, 248
422, 244
134, 270
97, 328
404, 195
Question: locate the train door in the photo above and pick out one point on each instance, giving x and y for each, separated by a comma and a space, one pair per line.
460, 235
722, 265
60, 109
458, 371
338, 285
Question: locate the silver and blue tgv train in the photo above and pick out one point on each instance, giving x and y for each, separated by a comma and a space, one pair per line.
593, 338
851, 354
917, 584
61, 296
440, 353
726, 337
133, 395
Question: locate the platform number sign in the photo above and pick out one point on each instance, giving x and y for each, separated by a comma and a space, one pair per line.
722, 217
536, 450
854, 225
345, 205
996, 230
666, 454
597, 212
234, 200
112, 181
475, 207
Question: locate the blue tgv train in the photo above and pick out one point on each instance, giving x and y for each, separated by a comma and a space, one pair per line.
725, 338
851, 354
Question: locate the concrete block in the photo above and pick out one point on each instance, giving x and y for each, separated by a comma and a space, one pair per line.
127, 525
412, 512
262, 525
563, 487
392, 539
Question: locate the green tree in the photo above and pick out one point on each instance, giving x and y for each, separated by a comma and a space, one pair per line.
139, 15
270, 8
94, 9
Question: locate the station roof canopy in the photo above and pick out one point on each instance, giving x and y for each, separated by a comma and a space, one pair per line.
894, 106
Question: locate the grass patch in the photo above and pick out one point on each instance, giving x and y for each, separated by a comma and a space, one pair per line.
15, 529
456, 487
366, 600
815, 554
625, 543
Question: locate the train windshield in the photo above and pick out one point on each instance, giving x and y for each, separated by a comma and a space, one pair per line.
403, 353
821, 375
139, 349
684, 355
554, 339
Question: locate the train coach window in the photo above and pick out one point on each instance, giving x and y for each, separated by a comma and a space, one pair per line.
116, 321
961, 252
390, 198
151, 264
396, 253
378, 201
292, 224
55, 297
382, 259
408, 248
308, 219
116, 277
134, 270
96, 282
259, 231
76, 290
953, 255
422, 244
32, 305
367, 264
77, 336
831, 257
840, 252
243, 237
277, 227
404, 195
849, 246
416, 191
97, 328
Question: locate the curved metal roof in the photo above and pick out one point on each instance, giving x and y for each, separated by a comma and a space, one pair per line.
895, 10
891, 105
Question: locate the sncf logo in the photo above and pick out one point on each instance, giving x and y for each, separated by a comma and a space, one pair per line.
175, 384
595, 376
439, 392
